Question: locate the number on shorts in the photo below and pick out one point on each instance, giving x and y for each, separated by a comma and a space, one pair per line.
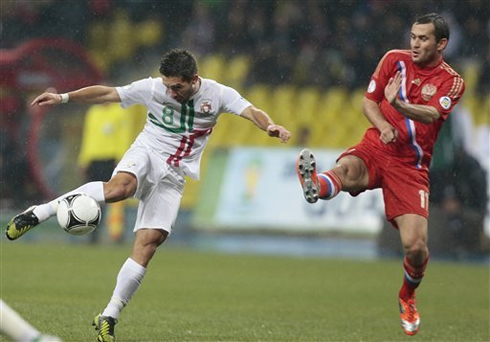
424, 199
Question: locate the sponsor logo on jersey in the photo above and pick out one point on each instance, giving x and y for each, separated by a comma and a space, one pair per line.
445, 102
428, 91
206, 107
372, 86
416, 81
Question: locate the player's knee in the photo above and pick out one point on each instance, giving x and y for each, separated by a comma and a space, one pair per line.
416, 251
146, 244
352, 172
120, 187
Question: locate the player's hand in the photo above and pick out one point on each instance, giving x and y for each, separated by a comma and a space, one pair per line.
279, 132
392, 88
47, 99
388, 134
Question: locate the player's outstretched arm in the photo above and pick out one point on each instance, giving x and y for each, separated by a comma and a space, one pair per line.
93, 94
265, 123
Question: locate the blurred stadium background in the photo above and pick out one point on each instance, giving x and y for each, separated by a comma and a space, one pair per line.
305, 62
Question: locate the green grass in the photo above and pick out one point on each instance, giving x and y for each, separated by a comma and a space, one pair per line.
202, 296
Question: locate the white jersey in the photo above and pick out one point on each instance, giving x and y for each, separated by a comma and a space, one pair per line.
180, 131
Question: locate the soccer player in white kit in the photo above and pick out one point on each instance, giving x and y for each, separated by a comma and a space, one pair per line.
182, 110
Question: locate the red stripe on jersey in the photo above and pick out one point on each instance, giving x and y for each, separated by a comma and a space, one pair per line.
175, 158
192, 138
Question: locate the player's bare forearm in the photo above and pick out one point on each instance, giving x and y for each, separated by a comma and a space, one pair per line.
95, 94
420, 113
258, 117
373, 113
92, 95
265, 123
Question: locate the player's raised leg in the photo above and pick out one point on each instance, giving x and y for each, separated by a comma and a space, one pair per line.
118, 188
30, 218
18, 329
325, 185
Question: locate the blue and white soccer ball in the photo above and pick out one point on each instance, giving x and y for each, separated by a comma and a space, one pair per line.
78, 214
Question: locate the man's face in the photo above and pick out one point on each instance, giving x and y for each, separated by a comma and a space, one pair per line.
180, 90
424, 48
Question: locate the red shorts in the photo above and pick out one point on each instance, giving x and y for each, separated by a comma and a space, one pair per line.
405, 188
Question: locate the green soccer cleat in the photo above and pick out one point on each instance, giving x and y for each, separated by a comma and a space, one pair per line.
21, 224
105, 326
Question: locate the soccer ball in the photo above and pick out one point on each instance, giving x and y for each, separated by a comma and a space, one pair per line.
78, 214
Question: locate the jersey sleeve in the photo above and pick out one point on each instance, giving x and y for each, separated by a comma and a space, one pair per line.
380, 77
138, 92
232, 101
448, 95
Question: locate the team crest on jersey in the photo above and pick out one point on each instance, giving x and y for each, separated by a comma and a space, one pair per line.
206, 107
372, 86
445, 102
428, 91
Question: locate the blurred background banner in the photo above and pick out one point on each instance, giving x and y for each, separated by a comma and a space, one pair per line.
259, 188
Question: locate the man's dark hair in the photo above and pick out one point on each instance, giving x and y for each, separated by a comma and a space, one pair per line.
440, 25
179, 63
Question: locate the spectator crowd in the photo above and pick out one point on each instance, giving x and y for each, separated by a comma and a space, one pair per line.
315, 42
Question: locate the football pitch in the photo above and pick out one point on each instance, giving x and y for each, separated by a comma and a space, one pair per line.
191, 295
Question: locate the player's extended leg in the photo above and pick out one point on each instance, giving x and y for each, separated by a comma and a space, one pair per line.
413, 233
121, 186
128, 280
349, 174
18, 329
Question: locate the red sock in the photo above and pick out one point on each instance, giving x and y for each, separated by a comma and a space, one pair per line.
330, 184
413, 277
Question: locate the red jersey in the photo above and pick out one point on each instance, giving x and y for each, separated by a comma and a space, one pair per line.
439, 86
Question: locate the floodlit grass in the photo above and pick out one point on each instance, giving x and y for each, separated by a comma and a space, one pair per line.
202, 296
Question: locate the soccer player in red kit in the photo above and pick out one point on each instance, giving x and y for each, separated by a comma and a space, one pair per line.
410, 95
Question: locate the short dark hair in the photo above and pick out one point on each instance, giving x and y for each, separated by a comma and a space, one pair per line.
440, 25
179, 63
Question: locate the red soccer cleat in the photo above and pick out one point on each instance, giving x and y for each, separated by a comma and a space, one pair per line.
306, 169
409, 316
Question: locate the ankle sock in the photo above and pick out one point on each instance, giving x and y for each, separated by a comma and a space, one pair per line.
330, 184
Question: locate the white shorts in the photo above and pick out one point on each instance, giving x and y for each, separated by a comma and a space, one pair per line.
159, 190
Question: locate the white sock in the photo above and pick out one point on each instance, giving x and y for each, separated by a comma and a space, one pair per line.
128, 280
14, 326
93, 189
